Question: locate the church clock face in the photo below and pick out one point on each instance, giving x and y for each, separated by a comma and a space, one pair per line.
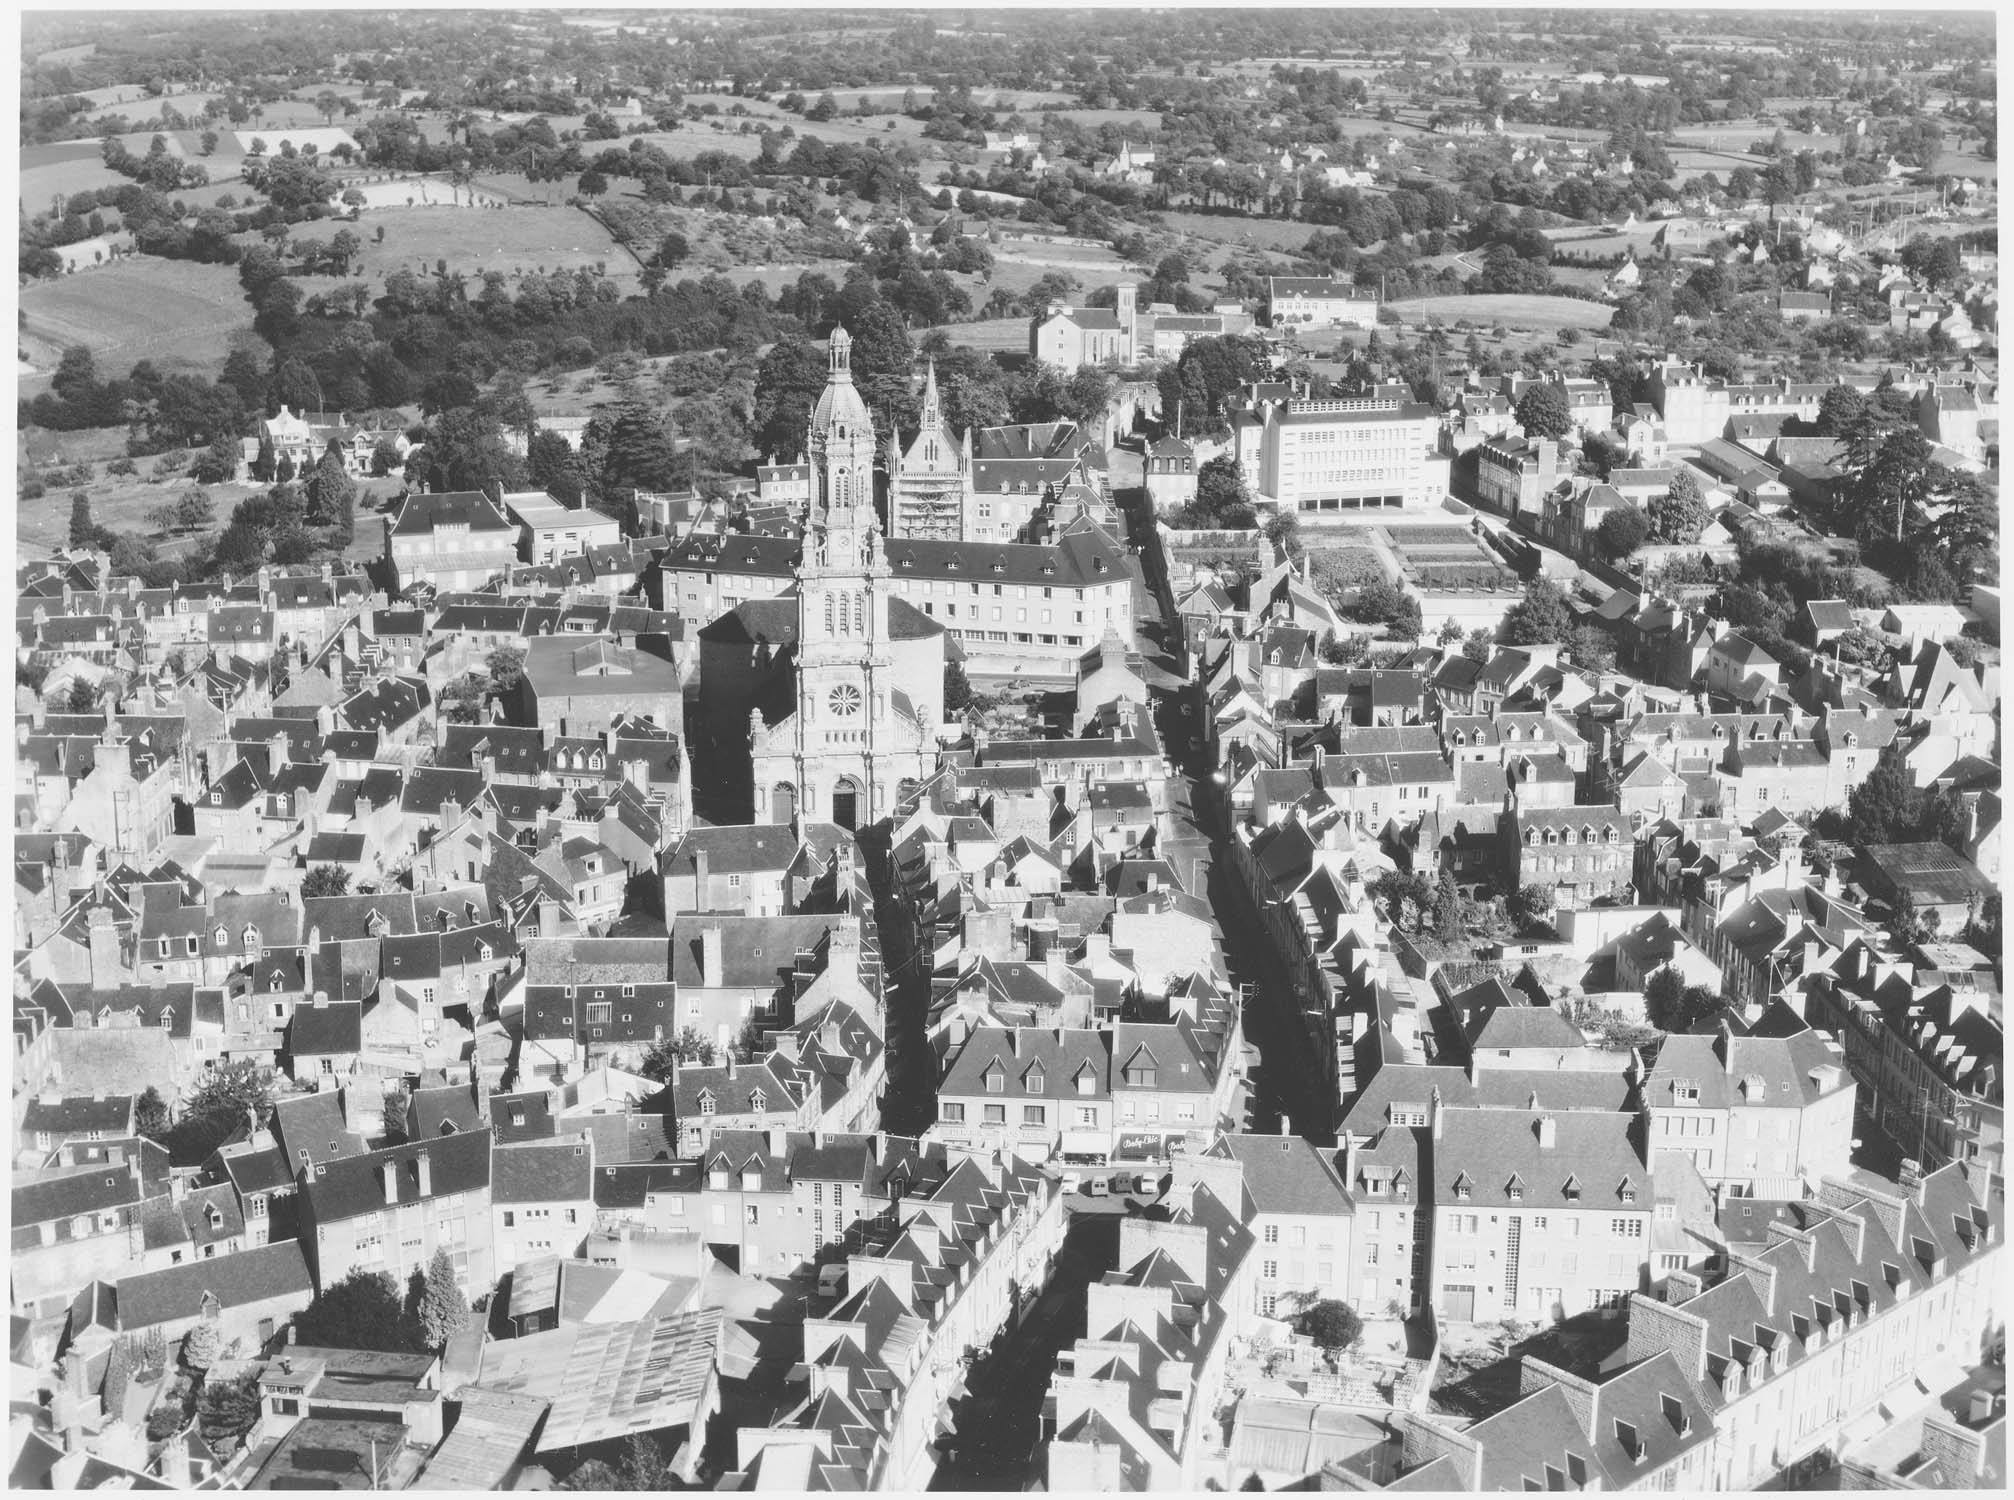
844, 701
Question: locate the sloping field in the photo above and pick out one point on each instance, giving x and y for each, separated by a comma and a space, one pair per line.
1262, 234
523, 237
994, 335
175, 312
1543, 314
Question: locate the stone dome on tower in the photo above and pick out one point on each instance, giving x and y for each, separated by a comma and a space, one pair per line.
840, 411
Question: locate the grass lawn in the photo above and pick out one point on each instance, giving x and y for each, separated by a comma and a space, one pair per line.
523, 237
1260, 234
177, 313
1540, 314
991, 336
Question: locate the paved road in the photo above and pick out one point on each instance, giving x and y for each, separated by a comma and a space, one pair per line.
997, 1437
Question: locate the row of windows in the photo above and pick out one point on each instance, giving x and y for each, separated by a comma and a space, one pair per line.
953, 1113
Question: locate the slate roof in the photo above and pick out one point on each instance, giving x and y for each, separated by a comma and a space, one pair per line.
559, 1171
1286, 1174
1487, 1147
354, 1185
245, 1279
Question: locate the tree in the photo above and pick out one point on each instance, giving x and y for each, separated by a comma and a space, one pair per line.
227, 1410
1591, 647
229, 1098
85, 533
1887, 807
1283, 531
150, 1114
1333, 1325
200, 1346
1540, 616
505, 666
82, 697
326, 880
1621, 532
592, 184
1222, 500
154, 1354
195, 510
787, 386
1529, 905
1543, 412
688, 1046
1841, 411
361, 1311
218, 463
297, 388
1448, 908
957, 688
672, 251
1670, 1004
440, 1310
1679, 515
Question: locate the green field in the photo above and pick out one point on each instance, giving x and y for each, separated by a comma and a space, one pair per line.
175, 312
523, 237
1260, 234
1540, 314
992, 336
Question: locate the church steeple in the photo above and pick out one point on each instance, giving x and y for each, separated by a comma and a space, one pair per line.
933, 407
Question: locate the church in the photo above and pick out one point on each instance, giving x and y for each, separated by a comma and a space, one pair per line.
835, 687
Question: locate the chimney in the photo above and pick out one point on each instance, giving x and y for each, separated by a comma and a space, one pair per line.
423, 1165
710, 969
1434, 1112
388, 1173
1548, 1132
702, 871
1349, 1161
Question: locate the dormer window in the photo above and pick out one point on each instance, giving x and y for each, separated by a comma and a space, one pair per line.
1033, 1082
1571, 1191
706, 1101
757, 1101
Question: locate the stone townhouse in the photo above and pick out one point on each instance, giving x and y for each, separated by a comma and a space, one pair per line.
391, 1210
1929, 1058
1386, 1174
1041, 1091
1760, 1116
454, 541
541, 1199
1859, 1290
69, 1230
1301, 1216
248, 1297
1537, 1214
1584, 853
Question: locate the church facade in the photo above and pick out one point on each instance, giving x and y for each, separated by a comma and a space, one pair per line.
838, 684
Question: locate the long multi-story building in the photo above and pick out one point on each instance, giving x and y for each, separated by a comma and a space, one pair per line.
1927, 1057
1537, 1214
1324, 460
1855, 1292
390, 1210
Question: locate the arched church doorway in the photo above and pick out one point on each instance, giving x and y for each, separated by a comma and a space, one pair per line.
846, 802
783, 803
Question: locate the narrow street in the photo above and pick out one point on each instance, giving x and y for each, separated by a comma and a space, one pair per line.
909, 1100
995, 1443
